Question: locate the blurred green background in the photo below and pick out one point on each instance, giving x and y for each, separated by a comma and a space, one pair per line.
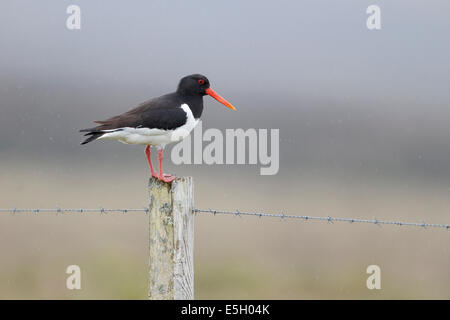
364, 132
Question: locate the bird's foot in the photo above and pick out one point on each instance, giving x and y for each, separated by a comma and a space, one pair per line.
154, 175
166, 177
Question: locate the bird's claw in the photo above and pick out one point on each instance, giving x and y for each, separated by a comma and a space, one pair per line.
166, 177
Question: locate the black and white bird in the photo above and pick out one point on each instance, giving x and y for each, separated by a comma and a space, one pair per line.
159, 121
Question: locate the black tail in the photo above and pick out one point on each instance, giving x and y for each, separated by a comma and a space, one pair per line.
93, 135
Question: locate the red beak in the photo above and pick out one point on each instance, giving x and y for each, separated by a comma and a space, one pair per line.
213, 94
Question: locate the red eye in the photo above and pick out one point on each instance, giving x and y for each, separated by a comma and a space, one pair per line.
201, 81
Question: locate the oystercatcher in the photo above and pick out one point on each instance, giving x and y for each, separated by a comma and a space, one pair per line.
159, 121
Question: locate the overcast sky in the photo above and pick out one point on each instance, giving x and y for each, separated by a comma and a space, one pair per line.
286, 46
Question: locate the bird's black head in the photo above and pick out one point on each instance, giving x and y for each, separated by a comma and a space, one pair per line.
197, 84
194, 84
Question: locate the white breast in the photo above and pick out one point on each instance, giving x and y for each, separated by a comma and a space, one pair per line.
183, 131
154, 137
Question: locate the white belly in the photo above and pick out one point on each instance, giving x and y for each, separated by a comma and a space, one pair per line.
154, 137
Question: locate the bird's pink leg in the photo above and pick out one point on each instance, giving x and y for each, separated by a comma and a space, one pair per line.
162, 176
149, 160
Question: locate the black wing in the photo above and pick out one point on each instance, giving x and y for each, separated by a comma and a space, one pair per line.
159, 113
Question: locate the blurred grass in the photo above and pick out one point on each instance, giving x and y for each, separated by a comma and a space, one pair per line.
120, 276
105, 276
235, 257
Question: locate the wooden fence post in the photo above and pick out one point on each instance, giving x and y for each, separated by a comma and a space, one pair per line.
171, 234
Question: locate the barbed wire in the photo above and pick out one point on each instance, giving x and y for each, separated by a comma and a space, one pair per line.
327, 218
281, 215
81, 210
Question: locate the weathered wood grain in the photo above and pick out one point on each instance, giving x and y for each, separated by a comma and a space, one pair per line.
183, 217
171, 232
